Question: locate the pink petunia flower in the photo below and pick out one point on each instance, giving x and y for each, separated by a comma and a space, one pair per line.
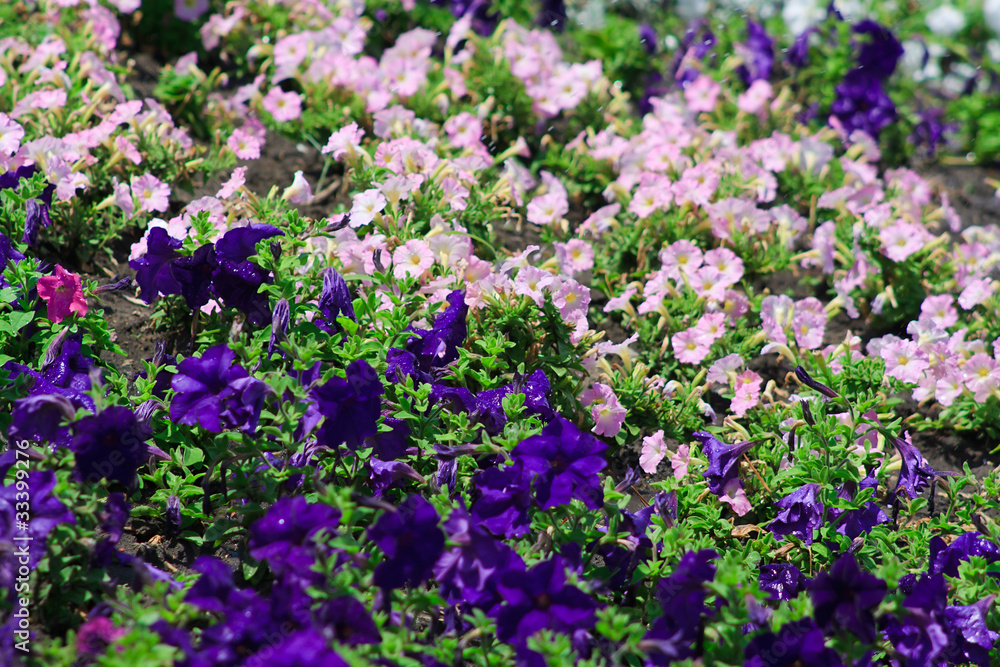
681, 257
412, 259
775, 313
755, 99
63, 294
574, 256
235, 182
190, 10
809, 323
904, 361
245, 144
747, 393
572, 300
11, 134
702, 94
975, 293
690, 346
680, 461
299, 192
902, 239
531, 282
345, 141
608, 413
366, 206
982, 376
733, 495
151, 193
724, 370
283, 106
654, 450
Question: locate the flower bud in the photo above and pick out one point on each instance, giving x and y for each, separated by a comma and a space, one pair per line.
807, 380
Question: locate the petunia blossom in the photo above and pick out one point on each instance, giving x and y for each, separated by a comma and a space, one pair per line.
63, 294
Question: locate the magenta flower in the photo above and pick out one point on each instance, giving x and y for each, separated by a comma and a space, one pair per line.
607, 412
63, 293
565, 464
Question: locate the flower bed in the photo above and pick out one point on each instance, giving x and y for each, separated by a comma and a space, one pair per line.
347, 333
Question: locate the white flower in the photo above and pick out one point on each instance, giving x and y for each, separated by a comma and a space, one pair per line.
801, 14
991, 13
945, 20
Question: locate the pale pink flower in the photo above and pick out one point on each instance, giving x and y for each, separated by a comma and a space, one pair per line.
654, 450
702, 94
620, 302
735, 305
681, 257
727, 263
519, 260
607, 412
345, 141
572, 300
949, 385
824, 246
245, 145
299, 192
574, 256
982, 376
128, 149
975, 293
904, 361
747, 394
366, 205
708, 283
123, 198
690, 346
711, 326
412, 259
724, 370
901, 240
151, 193
647, 199
449, 249
939, 310
235, 182
11, 134
809, 323
601, 219
734, 496
755, 99
190, 10
282, 106
680, 461
547, 209
464, 130
775, 315
531, 282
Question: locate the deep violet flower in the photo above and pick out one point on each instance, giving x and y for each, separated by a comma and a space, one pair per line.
194, 276
918, 634
469, 571
944, 558
806, 379
237, 279
411, 541
798, 53
283, 536
969, 639
535, 387
802, 512
306, 648
109, 445
914, 473
845, 598
758, 54
648, 38
782, 581
881, 52
438, 346
862, 103
723, 460
334, 301
8, 254
565, 463
796, 643
216, 393
36, 216
152, 270
682, 596
504, 497
346, 620
539, 598
350, 407
47, 511
931, 129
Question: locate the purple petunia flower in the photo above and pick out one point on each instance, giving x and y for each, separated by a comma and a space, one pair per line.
782, 581
47, 511
283, 537
802, 513
237, 280
334, 301
862, 103
682, 596
880, 54
305, 648
854, 523
845, 598
723, 460
153, 270
914, 473
504, 497
535, 387
110, 445
8, 255
796, 643
96, 635
347, 621
411, 541
469, 572
539, 598
565, 464
351, 407
648, 38
36, 216
931, 129
918, 634
438, 347
970, 640
216, 393
944, 558
194, 276
758, 54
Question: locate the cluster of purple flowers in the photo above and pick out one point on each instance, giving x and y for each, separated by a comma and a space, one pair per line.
862, 102
220, 270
